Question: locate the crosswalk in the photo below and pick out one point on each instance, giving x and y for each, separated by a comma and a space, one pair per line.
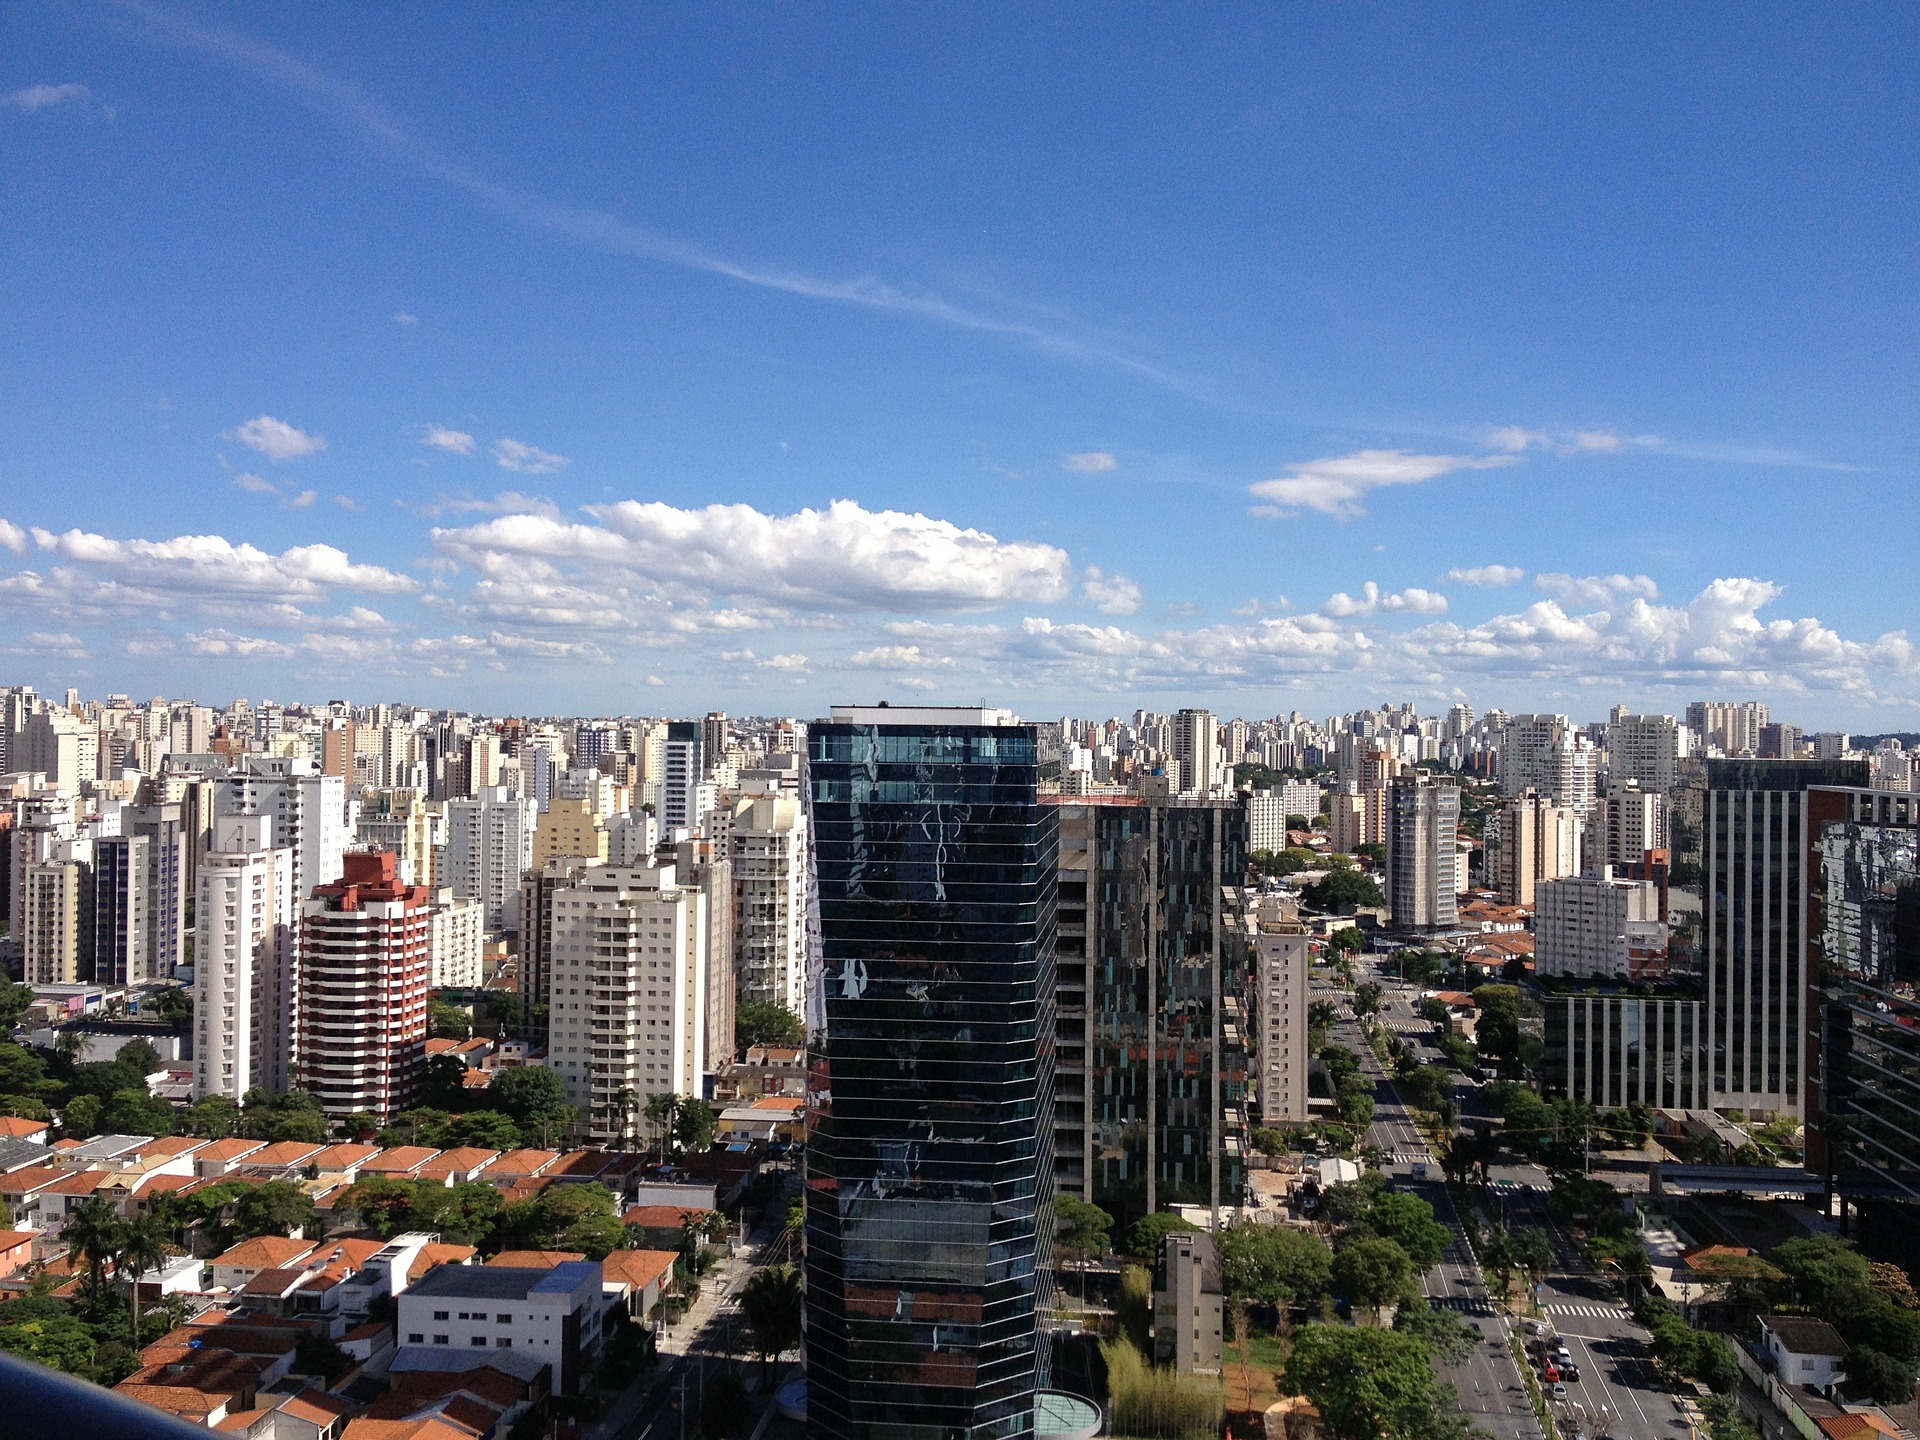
1410, 1027
1464, 1304
1592, 1312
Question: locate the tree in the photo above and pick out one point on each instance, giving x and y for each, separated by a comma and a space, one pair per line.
484, 1129
762, 1022
447, 1080
1274, 1264
694, 1124
448, 1022
1370, 1384
1821, 1268
1081, 1230
1348, 940
143, 1248
1340, 888
1498, 1028
135, 1112
505, 1010
81, 1118
384, 1204
1145, 1235
94, 1233
15, 1001
1366, 999
1370, 1271
213, 1117
536, 1098
140, 1055
1888, 1380
173, 1006
1445, 1333
593, 1235
279, 1207
290, 1115
466, 1213
659, 1112
773, 1303
725, 1410
1408, 1221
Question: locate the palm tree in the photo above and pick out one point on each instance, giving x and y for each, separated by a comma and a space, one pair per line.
624, 1105
143, 1247
660, 1111
93, 1232
774, 1304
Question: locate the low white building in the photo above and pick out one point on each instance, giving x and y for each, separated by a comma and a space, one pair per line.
1803, 1351
553, 1315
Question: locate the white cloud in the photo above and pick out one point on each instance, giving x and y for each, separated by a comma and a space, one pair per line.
525, 459
304, 500
1603, 442
1596, 589
40, 642
1486, 575
844, 556
454, 442
211, 565
1091, 462
255, 484
1517, 438
896, 657
1110, 594
45, 97
277, 440
12, 537
507, 502
655, 680
405, 317
1337, 484
1413, 600
785, 662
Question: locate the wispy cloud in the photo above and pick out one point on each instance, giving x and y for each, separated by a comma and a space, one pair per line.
454, 442
1597, 589
45, 97
525, 459
405, 317
277, 440
1091, 462
255, 484
303, 501
1371, 600
1110, 594
346, 103
1486, 575
1337, 484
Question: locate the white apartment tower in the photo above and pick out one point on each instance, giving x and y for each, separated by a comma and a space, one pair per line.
1596, 927
246, 924
1624, 826
1280, 957
1535, 841
308, 812
489, 847
1646, 749
1196, 745
627, 1013
1422, 853
768, 841
456, 939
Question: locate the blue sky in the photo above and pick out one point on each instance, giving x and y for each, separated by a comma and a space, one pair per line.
757, 358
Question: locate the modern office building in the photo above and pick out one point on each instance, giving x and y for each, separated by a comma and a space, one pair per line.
1866, 922
365, 973
1423, 819
1151, 1075
1612, 1047
1759, 827
931, 1025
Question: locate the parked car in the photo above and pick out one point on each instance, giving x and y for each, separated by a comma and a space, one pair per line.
1559, 1391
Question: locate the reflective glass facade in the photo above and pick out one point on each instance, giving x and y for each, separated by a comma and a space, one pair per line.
1867, 912
931, 1036
1612, 1047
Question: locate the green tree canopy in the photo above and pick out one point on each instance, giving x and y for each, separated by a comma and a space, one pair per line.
1145, 1235
1273, 1264
279, 1207
1341, 888
762, 1022
1369, 1271
448, 1022
1450, 1338
1081, 1227
135, 1112
773, 1303
1371, 1384
1408, 1221
15, 1001
526, 1092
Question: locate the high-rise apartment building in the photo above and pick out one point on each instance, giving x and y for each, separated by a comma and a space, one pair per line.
400, 821
489, 848
1758, 830
767, 836
1281, 954
308, 811
168, 881
1196, 745
569, 827
1627, 825
682, 771
627, 1009
1423, 857
1267, 812
1646, 749
1731, 727
246, 933
456, 941
50, 921
365, 972
929, 1166
1151, 1072
1597, 927
116, 897
1545, 753
537, 890
1530, 840
1356, 818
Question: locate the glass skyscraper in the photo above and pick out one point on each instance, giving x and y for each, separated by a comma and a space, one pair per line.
931, 1039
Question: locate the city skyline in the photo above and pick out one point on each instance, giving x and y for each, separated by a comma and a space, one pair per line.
1077, 365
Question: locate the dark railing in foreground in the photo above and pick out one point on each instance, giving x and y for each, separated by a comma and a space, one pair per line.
43, 1403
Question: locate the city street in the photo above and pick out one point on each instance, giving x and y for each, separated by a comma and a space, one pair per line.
1618, 1394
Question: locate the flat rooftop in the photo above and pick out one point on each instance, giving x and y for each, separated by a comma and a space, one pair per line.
922, 715
494, 1282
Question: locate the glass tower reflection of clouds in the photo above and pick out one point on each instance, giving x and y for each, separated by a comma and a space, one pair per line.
931, 1038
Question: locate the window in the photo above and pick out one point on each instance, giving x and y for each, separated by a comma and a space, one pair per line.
440, 1340
441, 1315
504, 1319
416, 1338
481, 1341
504, 1342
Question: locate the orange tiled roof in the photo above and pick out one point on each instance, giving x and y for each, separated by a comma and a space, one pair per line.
661, 1217
525, 1162
431, 1427
438, 1253
638, 1268
400, 1160
168, 1146
267, 1252
533, 1259
229, 1149
344, 1157
285, 1152
458, 1161
17, 1128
